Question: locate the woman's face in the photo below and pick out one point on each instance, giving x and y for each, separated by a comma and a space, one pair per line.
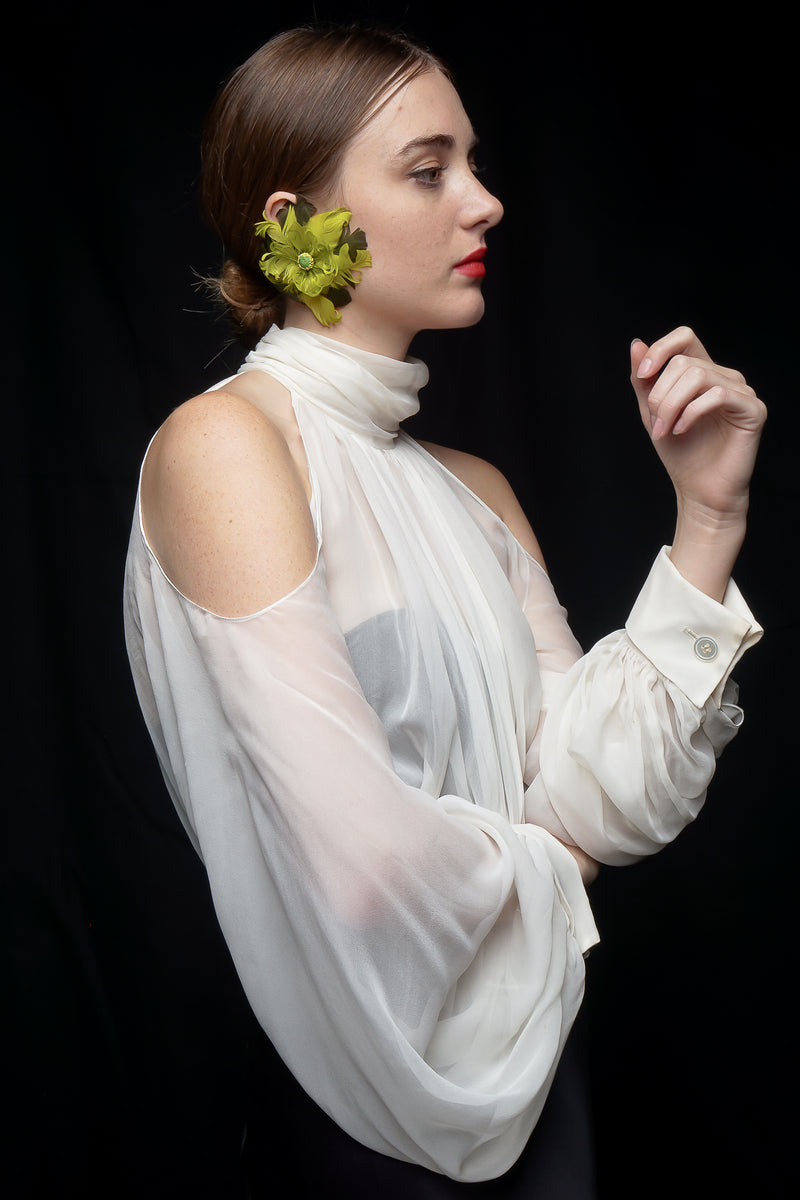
409, 180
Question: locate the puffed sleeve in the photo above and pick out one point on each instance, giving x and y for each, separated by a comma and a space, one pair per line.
416, 961
630, 732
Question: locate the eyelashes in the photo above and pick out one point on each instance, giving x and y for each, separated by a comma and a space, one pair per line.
433, 177
428, 177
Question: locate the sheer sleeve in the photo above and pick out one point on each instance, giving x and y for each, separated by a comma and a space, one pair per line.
416, 961
629, 733
415, 957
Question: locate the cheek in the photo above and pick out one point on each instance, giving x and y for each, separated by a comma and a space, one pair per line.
397, 255
407, 253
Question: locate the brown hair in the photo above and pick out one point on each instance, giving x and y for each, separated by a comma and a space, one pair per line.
282, 123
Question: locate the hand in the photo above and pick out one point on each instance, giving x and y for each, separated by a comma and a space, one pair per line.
705, 423
704, 420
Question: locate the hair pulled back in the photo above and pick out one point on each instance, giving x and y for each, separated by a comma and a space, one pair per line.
282, 122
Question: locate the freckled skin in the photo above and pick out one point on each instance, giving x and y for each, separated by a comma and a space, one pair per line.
225, 507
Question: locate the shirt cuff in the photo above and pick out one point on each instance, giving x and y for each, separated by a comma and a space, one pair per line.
688, 637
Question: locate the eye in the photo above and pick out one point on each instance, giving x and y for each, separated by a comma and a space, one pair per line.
428, 177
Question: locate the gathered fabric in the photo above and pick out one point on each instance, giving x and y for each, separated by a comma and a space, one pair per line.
380, 771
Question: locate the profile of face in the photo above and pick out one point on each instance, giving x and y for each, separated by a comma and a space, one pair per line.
409, 179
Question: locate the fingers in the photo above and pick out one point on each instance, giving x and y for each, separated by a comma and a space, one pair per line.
684, 382
682, 340
676, 383
638, 351
716, 398
642, 388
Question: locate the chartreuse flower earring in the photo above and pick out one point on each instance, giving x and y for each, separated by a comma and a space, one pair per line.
314, 257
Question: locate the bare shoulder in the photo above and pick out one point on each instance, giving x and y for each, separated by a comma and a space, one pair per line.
491, 485
203, 437
224, 506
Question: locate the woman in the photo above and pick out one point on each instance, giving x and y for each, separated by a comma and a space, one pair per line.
378, 730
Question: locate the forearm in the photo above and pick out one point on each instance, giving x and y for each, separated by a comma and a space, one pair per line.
706, 545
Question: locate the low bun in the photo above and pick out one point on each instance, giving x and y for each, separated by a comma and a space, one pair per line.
249, 301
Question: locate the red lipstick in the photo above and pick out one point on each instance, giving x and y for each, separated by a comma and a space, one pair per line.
473, 265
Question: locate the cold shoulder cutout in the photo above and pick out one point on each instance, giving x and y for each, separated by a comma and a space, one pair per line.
223, 507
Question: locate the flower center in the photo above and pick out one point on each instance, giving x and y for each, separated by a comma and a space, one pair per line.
305, 261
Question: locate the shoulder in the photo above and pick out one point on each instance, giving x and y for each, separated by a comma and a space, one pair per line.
224, 507
491, 485
204, 438
481, 477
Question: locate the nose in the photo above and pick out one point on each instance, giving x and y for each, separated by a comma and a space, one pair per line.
485, 209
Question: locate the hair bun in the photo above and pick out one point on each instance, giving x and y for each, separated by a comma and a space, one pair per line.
251, 303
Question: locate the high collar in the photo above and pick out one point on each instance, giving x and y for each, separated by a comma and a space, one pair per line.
366, 393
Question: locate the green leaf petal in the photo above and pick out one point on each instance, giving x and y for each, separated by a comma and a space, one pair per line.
322, 309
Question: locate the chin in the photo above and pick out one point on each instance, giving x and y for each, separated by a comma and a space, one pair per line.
459, 316
471, 315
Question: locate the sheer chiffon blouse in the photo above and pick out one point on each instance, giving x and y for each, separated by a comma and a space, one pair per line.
379, 770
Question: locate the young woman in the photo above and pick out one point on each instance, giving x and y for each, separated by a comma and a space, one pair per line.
396, 764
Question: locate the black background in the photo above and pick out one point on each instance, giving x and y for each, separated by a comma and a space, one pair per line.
648, 165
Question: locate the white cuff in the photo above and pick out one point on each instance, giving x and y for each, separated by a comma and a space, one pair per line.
688, 637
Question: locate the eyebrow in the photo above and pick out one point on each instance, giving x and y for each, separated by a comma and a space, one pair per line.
436, 141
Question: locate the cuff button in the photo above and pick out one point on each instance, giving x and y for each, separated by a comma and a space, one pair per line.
706, 649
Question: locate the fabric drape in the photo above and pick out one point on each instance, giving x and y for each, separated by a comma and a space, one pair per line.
379, 771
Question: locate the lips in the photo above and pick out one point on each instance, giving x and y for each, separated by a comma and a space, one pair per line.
473, 265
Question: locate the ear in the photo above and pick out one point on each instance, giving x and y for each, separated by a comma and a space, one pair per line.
276, 202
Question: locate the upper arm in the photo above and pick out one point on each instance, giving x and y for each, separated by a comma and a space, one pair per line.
494, 489
224, 508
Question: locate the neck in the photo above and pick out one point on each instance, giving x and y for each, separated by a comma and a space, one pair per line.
390, 342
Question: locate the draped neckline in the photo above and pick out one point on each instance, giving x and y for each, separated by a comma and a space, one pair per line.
366, 393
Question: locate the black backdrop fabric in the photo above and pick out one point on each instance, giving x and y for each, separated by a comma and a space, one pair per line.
648, 166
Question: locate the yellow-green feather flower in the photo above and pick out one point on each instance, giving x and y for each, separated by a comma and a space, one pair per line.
314, 257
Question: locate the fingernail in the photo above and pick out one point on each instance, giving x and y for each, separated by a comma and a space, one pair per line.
635, 340
658, 429
644, 367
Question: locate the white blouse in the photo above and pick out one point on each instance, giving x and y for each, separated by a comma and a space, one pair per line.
378, 771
